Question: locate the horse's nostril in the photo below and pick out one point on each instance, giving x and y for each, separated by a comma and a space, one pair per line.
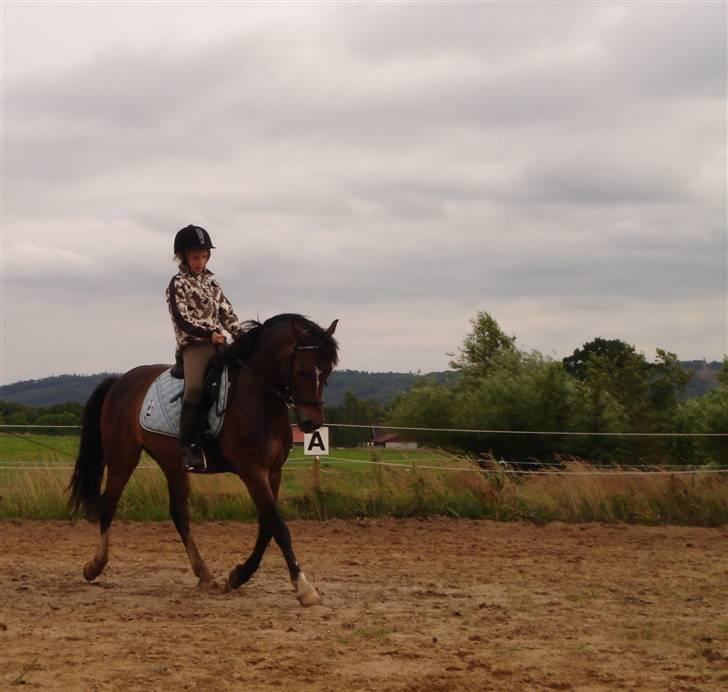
309, 425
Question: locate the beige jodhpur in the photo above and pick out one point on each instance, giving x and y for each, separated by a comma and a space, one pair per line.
195, 357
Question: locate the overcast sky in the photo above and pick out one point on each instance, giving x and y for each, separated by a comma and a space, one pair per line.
398, 166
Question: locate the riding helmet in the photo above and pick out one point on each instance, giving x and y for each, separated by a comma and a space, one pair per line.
192, 238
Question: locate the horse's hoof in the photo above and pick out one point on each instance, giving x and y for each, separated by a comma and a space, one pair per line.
233, 580
91, 570
305, 593
210, 586
310, 598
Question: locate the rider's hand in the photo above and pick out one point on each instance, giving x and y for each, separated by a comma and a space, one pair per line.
217, 338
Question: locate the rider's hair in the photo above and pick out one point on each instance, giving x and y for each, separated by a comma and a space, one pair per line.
179, 256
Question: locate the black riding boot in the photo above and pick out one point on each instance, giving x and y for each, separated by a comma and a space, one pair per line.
192, 458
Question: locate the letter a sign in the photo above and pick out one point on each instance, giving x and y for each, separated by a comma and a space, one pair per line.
316, 443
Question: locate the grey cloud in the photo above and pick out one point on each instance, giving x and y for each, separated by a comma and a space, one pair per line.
385, 162
493, 30
596, 180
668, 50
139, 88
664, 48
215, 104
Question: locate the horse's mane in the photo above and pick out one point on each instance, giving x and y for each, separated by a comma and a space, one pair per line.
243, 346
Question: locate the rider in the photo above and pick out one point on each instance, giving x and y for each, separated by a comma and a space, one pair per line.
200, 311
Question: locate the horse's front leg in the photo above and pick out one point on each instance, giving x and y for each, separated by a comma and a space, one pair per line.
264, 490
241, 573
305, 592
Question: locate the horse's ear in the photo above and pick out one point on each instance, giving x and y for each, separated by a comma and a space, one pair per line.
332, 327
298, 333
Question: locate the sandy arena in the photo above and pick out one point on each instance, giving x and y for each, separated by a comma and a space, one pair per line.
408, 605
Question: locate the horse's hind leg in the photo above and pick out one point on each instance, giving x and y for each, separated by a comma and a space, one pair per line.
119, 469
178, 483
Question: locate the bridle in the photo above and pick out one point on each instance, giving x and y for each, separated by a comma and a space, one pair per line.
287, 393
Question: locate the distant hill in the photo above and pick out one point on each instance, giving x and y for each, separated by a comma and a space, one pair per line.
381, 387
59, 389
705, 377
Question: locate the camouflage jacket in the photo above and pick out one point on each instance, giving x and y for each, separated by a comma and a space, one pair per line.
199, 308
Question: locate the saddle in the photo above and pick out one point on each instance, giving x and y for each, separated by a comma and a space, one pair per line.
162, 405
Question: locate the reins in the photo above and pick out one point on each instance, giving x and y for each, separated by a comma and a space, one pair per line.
287, 394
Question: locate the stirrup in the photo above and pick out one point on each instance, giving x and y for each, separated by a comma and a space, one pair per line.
193, 458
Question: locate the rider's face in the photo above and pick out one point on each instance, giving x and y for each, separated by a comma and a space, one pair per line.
197, 260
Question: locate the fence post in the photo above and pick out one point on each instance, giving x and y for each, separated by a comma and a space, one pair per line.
317, 473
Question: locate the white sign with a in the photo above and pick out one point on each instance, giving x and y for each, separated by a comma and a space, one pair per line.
316, 443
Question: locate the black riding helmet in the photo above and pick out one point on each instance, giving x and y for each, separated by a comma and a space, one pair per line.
192, 238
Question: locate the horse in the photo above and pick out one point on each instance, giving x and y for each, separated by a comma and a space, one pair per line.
281, 363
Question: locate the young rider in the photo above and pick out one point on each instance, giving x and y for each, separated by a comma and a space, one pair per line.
200, 311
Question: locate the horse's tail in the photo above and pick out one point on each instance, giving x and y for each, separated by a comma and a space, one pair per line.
85, 486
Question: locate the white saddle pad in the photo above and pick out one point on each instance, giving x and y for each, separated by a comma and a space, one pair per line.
160, 414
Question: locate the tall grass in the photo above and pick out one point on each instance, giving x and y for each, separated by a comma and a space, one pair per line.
697, 499
355, 490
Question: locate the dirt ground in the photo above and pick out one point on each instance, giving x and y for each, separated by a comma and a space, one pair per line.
422, 605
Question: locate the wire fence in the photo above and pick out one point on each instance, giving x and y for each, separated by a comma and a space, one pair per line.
479, 431
496, 468
471, 466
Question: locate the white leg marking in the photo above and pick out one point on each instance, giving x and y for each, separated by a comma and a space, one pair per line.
305, 592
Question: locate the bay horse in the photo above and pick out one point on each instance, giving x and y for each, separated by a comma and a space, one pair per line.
283, 362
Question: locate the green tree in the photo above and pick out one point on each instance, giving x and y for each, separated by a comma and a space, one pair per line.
614, 353
708, 414
354, 411
605, 386
645, 394
428, 405
485, 344
536, 394
19, 417
612, 369
58, 414
667, 379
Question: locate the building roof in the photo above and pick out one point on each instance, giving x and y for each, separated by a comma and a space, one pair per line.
383, 437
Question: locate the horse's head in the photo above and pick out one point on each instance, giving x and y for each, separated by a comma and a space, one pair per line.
313, 353
293, 357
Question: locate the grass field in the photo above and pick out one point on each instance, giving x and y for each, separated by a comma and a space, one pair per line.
35, 469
